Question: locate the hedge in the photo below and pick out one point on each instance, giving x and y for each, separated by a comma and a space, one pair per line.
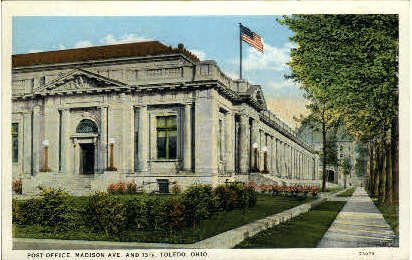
51, 208
111, 215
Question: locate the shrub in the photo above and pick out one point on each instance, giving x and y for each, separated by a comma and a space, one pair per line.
17, 216
198, 202
156, 213
51, 208
176, 189
131, 188
241, 197
251, 193
170, 214
220, 197
122, 188
174, 213
234, 195
106, 213
137, 212
17, 186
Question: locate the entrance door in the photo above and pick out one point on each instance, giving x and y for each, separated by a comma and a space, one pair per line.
87, 158
331, 176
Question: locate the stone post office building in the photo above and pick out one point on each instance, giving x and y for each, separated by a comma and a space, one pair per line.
144, 112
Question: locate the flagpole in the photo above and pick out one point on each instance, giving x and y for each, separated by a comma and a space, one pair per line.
240, 49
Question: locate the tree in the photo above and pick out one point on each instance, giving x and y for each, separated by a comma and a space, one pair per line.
346, 166
348, 66
321, 121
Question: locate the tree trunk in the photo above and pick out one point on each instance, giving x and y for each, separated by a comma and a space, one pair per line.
324, 153
382, 174
344, 181
371, 170
376, 173
388, 192
395, 159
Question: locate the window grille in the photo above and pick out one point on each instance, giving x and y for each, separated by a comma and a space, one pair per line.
163, 185
87, 126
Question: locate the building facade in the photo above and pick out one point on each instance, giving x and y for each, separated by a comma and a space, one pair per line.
147, 113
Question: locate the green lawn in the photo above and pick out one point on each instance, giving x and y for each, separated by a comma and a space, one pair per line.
334, 190
347, 193
391, 214
304, 231
218, 223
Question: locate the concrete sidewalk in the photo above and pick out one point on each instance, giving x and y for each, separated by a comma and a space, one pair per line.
359, 224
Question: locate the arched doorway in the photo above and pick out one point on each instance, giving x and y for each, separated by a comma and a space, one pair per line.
86, 136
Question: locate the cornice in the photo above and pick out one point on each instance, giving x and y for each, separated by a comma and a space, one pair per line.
88, 63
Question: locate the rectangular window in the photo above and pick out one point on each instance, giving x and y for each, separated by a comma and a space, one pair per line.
15, 141
163, 185
166, 128
42, 81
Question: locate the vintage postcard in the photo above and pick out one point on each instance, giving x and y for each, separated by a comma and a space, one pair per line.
205, 130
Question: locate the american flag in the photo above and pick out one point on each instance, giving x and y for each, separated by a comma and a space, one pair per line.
251, 38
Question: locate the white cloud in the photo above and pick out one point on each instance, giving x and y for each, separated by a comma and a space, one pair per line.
200, 54
287, 83
126, 38
273, 58
232, 74
82, 44
34, 50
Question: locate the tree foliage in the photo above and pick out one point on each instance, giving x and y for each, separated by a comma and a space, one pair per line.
348, 67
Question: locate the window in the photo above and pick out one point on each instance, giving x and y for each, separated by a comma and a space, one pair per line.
163, 185
42, 81
166, 137
87, 126
15, 141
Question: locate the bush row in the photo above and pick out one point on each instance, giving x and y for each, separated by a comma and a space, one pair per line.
291, 190
110, 214
51, 208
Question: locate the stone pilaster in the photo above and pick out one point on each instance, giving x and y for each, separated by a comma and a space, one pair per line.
36, 139
65, 141
277, 157
244, 144
290, 161
206, 131
187, 143
143, 138
229, 142
285, 166
293, 163
51, 133
27, 143
103, 139
252, 149
271, 158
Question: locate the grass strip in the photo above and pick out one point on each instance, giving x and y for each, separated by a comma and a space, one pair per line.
334, 190
220, 222
304, 231
347, 193
391, 214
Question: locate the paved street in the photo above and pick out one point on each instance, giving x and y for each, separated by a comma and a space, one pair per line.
358, 224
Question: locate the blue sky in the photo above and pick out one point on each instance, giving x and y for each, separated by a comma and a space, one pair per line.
210, 37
